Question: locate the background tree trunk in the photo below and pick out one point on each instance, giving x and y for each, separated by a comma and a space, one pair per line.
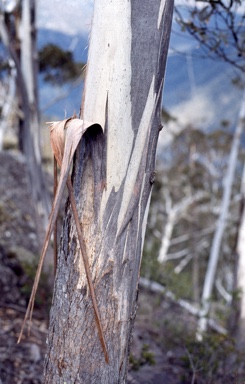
8, 103
241, 249
30, 135
220, 226
112, 178
18, 34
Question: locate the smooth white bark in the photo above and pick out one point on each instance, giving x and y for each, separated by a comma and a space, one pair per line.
25, 65
241, 249
221, 222
8, 104
158, 288
174, 213
28, 68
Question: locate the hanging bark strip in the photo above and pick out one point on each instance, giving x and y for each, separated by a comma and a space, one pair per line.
65, 136
113, 174
55, 232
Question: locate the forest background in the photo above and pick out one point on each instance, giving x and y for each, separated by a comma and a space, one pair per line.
196, 215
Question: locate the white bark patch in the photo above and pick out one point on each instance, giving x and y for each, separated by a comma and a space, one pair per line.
125, 254
122, 314
141, 228
140, 143
221, 222
160, 14
112, 50
26, 49
241, 269
145, 222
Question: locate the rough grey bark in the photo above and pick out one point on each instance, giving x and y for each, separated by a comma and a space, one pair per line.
112, 178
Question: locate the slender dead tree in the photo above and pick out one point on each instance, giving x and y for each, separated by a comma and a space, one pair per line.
241, 246
221, 225
18, 35
113, 173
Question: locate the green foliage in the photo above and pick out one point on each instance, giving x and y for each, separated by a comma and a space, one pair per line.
150, 267
44, 293
214, 358
164, 274
58, 65
179, 284
146, 357
198, 162
218, 26
166, 116
4, 67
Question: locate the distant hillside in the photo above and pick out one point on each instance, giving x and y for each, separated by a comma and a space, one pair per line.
77, 44
190, 77
61, 101
194, 86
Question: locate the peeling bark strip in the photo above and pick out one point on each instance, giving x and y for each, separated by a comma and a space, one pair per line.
112, 183
65, 136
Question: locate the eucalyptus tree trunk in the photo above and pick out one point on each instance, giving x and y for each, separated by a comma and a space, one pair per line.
29, 68
221, 225
18, 34
113, 174
241, 250
30, 133
8, 103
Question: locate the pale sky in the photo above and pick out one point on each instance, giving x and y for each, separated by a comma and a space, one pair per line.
72, 17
